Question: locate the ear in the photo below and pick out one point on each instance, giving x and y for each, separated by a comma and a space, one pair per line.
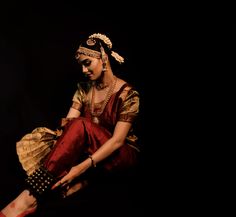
105, 58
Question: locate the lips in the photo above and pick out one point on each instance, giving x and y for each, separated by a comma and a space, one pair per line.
87, 75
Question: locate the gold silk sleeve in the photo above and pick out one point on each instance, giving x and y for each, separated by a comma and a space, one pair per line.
130, 106
78, 98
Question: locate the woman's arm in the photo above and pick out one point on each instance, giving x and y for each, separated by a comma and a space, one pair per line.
116, 141
73, 113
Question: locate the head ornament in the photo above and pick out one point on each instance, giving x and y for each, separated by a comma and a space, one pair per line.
89, 50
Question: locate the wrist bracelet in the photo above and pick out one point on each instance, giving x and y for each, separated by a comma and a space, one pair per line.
92, 161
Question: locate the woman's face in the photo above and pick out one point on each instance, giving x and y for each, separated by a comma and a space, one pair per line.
91, 67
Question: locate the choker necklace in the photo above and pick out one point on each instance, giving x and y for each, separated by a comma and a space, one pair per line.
98, 112
101, 86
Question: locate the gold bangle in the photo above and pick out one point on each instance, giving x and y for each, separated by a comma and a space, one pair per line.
93, 164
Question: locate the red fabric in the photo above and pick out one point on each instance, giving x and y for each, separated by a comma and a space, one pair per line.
110, 115
80, 138
2, 215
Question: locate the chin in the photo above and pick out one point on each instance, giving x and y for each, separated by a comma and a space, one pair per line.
92, 79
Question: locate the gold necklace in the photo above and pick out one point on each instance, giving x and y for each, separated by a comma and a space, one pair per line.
101, 86
95, 115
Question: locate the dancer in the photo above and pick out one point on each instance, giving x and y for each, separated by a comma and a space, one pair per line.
97, 133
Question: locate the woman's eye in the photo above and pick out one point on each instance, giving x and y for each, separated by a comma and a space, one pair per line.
87, 63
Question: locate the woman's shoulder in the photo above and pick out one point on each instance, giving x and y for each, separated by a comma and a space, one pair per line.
126, 89
84, 86
80, 95
124, 85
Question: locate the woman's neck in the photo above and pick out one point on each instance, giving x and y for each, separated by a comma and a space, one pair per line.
104, 81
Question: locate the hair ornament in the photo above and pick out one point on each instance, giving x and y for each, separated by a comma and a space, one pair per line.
94, 53
87, 52
117, 57
90, 42
102, 37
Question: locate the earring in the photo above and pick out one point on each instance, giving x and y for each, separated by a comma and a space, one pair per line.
104, 67
104, 58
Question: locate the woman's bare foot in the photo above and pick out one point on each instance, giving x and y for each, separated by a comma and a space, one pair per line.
23, 205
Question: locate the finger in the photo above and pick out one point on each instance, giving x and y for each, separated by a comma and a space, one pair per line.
55, 186
59, 183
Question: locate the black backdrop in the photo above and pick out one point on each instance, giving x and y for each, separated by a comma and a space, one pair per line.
39, 73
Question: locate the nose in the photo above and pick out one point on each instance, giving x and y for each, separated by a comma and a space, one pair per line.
84, 69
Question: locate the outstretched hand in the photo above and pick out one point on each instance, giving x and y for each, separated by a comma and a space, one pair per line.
74, 173
68, 182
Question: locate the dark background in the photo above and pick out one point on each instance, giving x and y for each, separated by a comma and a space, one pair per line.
39, 76
165, 49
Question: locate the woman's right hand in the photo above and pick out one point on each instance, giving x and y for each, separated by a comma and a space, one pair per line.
74, 173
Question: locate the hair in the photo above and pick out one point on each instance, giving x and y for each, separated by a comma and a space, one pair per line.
95, 45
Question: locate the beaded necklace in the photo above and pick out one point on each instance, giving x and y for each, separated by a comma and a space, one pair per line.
95, 115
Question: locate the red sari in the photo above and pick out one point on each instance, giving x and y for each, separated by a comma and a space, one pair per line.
82, 137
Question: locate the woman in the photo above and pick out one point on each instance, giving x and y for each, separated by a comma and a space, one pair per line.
97, 132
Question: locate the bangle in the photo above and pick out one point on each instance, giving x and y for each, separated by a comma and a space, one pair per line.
93, 164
